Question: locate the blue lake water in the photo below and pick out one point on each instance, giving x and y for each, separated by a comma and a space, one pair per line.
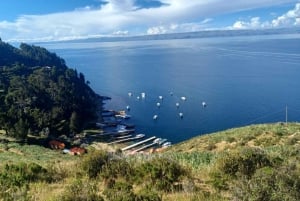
243, 80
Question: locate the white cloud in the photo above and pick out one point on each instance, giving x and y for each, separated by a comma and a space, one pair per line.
173, 16
289, 19
176, 28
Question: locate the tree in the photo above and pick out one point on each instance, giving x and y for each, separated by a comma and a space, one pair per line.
74, 122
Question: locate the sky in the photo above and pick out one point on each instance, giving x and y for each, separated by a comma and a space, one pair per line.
55, 20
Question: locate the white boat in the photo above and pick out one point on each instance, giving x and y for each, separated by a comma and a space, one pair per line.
123, 116
143, 95
166, 144
204, 104
180, 114
183, 98
160, 97
158, 104
138, 97
129, 94
128, 107
177, 104
159, 141
139, 136
155, 117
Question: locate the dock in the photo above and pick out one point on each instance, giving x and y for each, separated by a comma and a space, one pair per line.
138, 143
125, 140
145, 147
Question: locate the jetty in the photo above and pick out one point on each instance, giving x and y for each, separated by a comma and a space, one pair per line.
138, 143
145, 147
139, 136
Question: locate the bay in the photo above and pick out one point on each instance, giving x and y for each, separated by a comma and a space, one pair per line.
243, 81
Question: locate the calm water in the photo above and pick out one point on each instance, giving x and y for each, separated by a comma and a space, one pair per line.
243, 80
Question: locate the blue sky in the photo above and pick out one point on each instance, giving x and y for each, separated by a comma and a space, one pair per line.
38, 20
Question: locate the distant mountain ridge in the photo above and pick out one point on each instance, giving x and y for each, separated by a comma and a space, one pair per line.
190, 35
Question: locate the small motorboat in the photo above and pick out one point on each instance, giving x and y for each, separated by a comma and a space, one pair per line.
155, 117
158, 104
166, 144
143, 95
183, 98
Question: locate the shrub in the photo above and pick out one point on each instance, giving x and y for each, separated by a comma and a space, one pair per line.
93, 162
244, 161
219, 181
269, 184
146, 195
80, 191
161, 173
20, 174
117, 168
120, 191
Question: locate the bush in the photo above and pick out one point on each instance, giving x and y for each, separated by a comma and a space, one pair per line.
160, 173
146, 195
81, 191
120, 191
17, 175
269, 184
117, 168
93, 162
244, 161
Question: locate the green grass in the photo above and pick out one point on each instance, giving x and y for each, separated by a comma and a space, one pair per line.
217, 164
15, 152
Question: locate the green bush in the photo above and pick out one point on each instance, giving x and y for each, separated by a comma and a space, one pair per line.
81, 191
244, 161
93, 162
161, 174
269, 184
116, 168
146, 195
120, 191
17, 175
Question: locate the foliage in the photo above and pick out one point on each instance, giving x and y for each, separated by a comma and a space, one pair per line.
242, 161
93, 163
160, 173
120, 191
40, 92
269, 184
14, 179
117, 168
81, 191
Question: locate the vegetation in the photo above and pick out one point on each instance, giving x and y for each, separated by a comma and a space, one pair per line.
230, 171
39, 94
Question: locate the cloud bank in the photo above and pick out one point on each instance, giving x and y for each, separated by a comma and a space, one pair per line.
127, 18
289, 19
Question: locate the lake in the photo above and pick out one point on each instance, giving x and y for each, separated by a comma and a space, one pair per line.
243, 81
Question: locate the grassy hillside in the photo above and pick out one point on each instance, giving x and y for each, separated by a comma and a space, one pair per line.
264, 136
258, 162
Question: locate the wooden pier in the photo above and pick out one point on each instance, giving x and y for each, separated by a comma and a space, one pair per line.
145, 147
126, 139
138, 143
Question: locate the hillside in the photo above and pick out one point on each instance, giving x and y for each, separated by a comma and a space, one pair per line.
257, 162
262, 136
40, 95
